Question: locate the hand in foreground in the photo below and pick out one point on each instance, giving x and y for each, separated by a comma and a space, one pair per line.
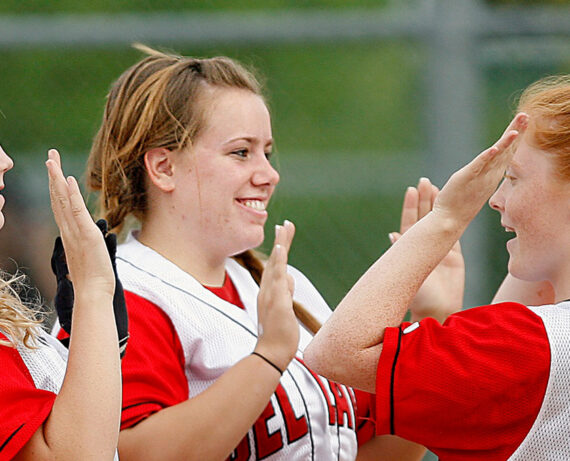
86, 254
441, 294
278, 327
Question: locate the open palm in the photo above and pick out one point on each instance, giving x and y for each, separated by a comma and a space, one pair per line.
442, 292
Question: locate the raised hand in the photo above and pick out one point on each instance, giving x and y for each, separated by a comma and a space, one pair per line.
441, 294
278, 327
85, 250
355, 331
469, 188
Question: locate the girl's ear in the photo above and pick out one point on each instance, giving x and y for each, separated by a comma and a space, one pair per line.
160, 168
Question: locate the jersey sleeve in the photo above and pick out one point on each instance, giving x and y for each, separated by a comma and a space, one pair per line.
23, 407
365, 416
153, 365
469, 389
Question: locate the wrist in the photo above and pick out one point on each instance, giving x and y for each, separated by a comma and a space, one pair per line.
279, 360
93, 297
268, 362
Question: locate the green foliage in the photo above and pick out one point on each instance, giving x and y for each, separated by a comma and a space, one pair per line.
111, 6
527, 2
323, 98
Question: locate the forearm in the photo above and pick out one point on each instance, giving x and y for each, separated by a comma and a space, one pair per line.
388, 448
85, 417
347, 347
521, 291
208, 426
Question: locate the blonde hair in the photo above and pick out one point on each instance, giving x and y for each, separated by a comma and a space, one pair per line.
19, 322
547, 102
160, 102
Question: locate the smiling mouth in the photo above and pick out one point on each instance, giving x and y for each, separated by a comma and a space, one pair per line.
257, 205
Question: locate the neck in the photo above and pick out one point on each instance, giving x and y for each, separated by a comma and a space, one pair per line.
189, 254
561, 285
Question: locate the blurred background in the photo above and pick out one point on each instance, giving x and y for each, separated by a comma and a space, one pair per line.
366, 96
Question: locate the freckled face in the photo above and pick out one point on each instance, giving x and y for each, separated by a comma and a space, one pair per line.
535, 204
224, 181
6, 164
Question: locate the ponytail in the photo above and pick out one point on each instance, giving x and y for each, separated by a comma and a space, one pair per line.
252, 262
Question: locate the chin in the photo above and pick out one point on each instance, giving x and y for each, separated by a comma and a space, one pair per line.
250, 243
522, 274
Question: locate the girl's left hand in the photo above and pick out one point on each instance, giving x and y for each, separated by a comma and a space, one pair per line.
86, 254
442, 292
278, 327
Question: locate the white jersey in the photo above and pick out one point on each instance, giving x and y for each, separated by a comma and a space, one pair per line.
45, 365
308, 418
548, 438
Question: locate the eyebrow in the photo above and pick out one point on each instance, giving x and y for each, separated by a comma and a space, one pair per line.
250, 139
514, 165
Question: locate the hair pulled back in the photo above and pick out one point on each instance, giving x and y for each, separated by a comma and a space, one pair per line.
157, 103
547, 102
160, 102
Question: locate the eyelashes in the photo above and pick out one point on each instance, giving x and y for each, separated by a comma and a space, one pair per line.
244, 153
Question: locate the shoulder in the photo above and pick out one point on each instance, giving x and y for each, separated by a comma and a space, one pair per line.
490, 330
145, 315
483, 361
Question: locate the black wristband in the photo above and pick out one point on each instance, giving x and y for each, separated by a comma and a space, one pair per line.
268, 361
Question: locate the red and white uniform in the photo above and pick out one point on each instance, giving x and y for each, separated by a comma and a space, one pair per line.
491, 383
29, 382
183, 337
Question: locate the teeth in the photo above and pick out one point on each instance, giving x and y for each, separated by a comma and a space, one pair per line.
255, 204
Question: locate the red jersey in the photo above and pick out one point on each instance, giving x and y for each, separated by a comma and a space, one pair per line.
29, 380
470, 389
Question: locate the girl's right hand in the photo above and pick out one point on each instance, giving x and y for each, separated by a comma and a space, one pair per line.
277, 325
468, 189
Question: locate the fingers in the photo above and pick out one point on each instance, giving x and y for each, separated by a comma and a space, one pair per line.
69, 209
425, 197
409, 209
80, 213
418, 201
277, 264
434, 192
394, 236
518, 123
517, 126
284, 235
58, 188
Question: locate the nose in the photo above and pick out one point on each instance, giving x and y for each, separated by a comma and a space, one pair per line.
265, 174
6, 163
496, 202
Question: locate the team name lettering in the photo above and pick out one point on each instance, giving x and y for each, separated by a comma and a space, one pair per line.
340, 406
266, 442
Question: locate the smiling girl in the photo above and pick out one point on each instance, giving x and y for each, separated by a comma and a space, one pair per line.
492, 381
214, 364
